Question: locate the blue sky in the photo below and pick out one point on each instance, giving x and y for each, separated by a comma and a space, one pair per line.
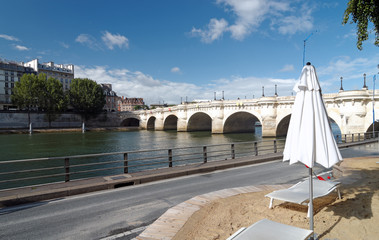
167, 50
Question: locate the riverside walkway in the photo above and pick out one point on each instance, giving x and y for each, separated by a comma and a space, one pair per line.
37, 193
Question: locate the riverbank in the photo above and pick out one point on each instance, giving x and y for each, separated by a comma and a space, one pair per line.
355, 216
57, 130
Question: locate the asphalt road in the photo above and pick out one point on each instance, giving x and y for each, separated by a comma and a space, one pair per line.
128, 210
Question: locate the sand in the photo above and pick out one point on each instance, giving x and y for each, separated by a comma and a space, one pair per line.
355, 216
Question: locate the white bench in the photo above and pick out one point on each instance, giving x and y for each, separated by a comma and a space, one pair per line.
269, 230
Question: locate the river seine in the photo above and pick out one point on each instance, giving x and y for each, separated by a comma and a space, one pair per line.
25, 146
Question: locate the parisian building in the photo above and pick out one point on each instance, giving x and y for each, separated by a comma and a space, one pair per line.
129, 104
111, 98
10, 73
61, 72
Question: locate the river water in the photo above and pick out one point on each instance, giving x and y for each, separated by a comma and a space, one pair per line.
62, 144
25, 146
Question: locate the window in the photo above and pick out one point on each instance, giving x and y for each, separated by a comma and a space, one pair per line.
12, 79
12, 85
6, 84
6, 92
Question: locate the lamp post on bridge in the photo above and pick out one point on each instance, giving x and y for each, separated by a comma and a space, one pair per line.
263, 91
364, 82
276, 91
341, 88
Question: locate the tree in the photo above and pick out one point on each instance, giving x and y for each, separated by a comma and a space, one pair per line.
52, 98
363, 12
38, 92
86, 97
25, 93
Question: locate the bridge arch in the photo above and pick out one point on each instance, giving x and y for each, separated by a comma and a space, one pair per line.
199, 122
240, 122
282, 126
130, 122
170, 123
151, 123
369, 129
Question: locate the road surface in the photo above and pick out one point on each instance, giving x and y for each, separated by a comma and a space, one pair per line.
123, 213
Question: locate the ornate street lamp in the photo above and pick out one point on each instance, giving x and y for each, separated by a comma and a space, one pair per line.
364, 82
341, 89
263, 91
276, 91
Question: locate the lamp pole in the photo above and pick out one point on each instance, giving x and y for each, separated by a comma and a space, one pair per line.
373, 106
305, 40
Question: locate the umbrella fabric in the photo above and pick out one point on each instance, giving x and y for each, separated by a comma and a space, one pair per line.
310, 137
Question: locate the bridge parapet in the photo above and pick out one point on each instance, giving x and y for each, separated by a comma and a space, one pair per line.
350, 110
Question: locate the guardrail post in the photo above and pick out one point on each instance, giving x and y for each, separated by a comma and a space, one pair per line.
126, 169
359, 137
345, 139
256, 148
67, 169
364, 136
275, 147
352, 137
170, 158
205, 158
233, 151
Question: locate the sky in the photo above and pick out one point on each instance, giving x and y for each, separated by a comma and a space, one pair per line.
169, 50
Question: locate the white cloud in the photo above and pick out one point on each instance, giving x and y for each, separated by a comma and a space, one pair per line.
301, 22
9, 38
65, 45
88, 41
213, 31
137, 84
287, 68
249, 15
112, 40
175, 70
21, 48
351, 69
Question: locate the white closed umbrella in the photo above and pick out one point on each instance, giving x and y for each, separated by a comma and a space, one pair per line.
310, 138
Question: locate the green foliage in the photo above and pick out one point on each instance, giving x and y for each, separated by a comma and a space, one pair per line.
38, 92
363, 12
52, 98
86, 96
25, 94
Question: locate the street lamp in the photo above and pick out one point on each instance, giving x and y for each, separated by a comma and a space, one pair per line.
364, 81
341, 89
263, 91
276, 91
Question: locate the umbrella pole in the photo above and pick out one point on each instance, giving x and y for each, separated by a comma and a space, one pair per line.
311, 226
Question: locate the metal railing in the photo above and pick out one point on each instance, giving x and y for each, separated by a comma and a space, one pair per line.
27, 172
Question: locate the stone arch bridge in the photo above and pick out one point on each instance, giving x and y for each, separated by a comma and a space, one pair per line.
352, 111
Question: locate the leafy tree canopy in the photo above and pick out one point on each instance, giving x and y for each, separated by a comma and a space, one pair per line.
25, 93
363, 12
86, 96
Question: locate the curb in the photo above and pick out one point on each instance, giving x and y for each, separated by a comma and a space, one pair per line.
38, 193
169, 224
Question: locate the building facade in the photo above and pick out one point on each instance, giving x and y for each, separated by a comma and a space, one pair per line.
128, 104
61, 72
10, 73
111, 98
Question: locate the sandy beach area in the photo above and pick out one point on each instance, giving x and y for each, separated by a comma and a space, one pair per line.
355, 216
